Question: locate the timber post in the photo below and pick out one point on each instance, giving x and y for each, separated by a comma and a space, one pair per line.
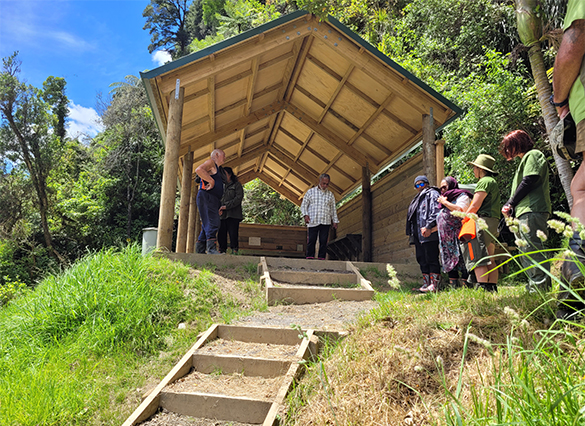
171, 166
367, 215
193, 219
182, 228
428, 148
440, 157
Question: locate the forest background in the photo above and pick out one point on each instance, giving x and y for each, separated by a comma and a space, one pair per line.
61, 198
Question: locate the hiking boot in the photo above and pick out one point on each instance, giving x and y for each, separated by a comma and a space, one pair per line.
211, 247
200, 247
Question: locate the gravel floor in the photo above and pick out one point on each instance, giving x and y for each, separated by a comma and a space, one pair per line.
330, 316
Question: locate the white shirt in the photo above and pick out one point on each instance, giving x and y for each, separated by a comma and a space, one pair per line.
319, 205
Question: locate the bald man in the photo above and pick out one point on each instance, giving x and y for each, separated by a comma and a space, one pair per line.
209, 201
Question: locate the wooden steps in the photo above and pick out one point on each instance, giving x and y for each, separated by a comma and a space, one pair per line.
304, 281
258, 384
241, 374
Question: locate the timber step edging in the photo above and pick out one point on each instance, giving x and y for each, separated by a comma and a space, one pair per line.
317, 273
225, 407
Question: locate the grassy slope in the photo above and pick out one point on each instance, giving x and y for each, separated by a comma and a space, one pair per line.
458, 357
77, 349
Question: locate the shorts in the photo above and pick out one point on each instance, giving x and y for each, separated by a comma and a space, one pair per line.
580, 143
475, 251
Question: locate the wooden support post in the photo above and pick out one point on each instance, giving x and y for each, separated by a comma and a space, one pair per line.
440, 155
366, 215
182, 228
428, 145
171, 166
193, 219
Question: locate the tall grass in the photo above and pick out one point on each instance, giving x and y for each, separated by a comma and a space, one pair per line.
75, 349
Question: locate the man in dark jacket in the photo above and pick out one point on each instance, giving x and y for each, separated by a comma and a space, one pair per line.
421, 227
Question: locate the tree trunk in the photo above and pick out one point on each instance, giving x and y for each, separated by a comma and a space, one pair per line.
550, 115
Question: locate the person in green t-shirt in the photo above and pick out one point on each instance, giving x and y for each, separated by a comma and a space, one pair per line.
569, 95
486, 204
530, 203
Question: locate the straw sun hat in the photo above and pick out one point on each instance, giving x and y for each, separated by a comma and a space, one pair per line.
486, 162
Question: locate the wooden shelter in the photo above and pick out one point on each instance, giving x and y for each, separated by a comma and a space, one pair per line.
286, 102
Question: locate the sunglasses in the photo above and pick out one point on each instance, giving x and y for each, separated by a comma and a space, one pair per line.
419, 185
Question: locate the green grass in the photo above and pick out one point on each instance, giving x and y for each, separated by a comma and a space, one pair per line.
74, 350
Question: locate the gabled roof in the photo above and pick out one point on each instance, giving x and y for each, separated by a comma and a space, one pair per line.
295, 98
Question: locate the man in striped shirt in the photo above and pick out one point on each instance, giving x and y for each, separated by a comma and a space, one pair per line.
318, 208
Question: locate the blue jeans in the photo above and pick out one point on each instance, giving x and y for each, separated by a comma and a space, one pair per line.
208, 206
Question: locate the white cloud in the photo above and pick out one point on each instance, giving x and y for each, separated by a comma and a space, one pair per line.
83, 121
161, 57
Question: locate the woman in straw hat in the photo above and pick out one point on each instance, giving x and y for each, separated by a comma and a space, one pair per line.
486, 204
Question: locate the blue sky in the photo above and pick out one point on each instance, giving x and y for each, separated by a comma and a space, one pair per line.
90, 43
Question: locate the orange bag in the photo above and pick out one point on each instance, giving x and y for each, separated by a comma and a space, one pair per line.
468, 230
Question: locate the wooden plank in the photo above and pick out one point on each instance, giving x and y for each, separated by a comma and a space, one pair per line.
230, 364
303, 295
151, 403
217, 407
292, 375
272, 335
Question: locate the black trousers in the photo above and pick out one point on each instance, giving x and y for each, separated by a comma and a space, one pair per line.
314, 232
427, 256
229, 226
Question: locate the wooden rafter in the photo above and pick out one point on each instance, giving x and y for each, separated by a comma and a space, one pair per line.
279, 188
249, 155
233, 127
298, 67
211, 103
333, 139
335, 93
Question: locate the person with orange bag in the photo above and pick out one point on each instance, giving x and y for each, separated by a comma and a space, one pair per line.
486, 204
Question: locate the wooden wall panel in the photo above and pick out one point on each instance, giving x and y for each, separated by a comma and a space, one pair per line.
391, 197
278, 240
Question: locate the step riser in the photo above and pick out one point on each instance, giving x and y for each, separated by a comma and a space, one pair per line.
252, 367
315, 278
217, 407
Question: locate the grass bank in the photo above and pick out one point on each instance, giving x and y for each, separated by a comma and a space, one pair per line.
85, 344
459, 357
